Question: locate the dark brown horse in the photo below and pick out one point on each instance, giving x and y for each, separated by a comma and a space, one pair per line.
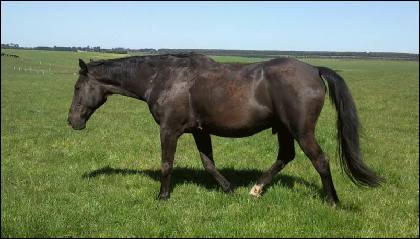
191, 93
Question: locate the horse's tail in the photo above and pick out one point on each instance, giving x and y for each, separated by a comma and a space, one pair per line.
348, 131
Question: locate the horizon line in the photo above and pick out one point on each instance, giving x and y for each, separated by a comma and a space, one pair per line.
226, 49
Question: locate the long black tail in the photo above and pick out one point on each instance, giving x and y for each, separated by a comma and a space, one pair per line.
348, 130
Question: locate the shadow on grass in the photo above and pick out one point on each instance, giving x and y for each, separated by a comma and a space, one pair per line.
238, 178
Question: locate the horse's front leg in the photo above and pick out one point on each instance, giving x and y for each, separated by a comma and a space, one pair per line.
168, 140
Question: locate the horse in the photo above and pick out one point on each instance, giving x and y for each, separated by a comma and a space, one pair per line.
191, 93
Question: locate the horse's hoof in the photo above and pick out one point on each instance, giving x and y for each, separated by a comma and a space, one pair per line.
163, 196
256, 191
334, 204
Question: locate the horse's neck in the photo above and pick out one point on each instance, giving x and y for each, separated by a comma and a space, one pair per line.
124, 92
133, 85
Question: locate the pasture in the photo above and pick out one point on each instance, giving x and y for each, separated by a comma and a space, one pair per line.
103, 181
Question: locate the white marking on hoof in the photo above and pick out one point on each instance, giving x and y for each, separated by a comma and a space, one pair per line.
256, 190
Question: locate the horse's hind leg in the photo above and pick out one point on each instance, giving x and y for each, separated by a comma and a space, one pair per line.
203, 142
314, 152
285, 154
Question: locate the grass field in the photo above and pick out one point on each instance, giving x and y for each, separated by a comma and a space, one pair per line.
103, 181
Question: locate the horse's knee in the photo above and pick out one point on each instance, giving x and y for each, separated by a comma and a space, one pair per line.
284, 159
166, 168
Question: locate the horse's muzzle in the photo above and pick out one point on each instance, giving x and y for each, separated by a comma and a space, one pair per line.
76, 126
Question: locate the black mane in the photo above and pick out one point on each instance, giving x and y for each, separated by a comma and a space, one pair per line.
139, 59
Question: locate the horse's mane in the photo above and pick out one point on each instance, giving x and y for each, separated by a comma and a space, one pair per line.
139, 59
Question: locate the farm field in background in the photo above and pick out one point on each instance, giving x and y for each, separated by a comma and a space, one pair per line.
103, 181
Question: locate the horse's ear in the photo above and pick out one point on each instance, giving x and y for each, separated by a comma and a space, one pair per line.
83, 66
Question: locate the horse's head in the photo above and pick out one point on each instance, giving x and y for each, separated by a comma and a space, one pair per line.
89, 95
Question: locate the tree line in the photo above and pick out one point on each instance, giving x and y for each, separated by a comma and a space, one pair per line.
222, 52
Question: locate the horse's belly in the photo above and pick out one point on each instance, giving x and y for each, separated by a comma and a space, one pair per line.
237, 121
236, 132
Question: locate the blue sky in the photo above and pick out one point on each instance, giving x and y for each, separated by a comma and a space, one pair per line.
306, 26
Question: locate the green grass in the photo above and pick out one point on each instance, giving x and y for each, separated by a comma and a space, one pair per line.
103, 181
